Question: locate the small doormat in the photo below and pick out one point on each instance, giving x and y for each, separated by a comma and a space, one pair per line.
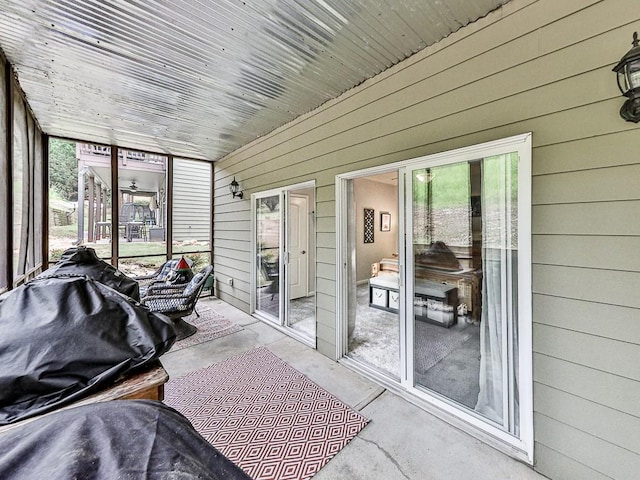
210, 324
265, 416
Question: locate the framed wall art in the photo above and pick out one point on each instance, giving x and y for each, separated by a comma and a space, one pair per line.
369, 219
385, 222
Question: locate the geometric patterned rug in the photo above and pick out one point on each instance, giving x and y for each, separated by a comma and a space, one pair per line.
211, 325
265, 416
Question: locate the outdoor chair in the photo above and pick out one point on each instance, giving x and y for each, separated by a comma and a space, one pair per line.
177, 301
271, 272
159, 276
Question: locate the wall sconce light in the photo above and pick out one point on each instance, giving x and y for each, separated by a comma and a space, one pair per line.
234, 188
628, 70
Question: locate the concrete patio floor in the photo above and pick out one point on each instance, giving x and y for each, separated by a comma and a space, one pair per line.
402, 441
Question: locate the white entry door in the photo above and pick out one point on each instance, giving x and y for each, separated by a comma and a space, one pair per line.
298, 246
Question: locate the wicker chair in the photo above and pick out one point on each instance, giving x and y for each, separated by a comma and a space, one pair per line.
159, 276
177, 301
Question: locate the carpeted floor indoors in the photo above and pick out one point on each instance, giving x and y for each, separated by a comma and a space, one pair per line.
447, 360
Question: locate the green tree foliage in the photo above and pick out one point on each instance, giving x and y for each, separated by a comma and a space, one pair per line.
63, 169
450, 186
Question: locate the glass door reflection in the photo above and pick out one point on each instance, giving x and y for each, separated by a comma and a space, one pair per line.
268, 252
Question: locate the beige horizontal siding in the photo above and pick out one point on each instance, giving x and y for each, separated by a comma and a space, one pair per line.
611, 218
593, 154
586, 449
326, 271
534, 66
593, 385
605, 184
613, 426
557, 465
602, 354
600, 286
585, 316
191, 186
597, 252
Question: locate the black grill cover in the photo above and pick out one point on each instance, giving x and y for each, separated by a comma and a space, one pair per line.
121, 439
63, 338
84, 261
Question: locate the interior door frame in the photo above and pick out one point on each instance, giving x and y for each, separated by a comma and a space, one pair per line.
282, 325
289, 196
522, 446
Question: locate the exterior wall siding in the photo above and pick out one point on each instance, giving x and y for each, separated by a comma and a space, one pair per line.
534, 66
191, 223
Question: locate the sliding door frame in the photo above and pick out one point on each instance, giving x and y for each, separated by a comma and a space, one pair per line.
521, 446
283, 279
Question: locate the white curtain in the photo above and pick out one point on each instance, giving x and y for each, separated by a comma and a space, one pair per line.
498, 335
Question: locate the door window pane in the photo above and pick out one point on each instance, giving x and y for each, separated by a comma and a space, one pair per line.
374, 289
465, 275
268, 255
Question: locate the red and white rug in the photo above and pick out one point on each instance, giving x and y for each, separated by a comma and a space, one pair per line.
265, 416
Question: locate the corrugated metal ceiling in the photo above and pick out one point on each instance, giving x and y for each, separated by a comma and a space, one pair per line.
201, 78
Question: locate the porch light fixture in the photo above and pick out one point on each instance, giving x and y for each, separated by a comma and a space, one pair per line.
234, 188
628, 70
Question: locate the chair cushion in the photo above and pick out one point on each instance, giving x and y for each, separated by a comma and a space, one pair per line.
193, 284
167, 269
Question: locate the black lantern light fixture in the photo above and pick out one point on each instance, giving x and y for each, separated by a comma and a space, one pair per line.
234, 188
628, 70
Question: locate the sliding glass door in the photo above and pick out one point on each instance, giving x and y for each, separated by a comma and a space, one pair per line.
463, 254
284, 279
269, 249
464, 249
463, 277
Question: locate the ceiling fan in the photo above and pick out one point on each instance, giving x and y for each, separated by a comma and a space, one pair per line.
133, 187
